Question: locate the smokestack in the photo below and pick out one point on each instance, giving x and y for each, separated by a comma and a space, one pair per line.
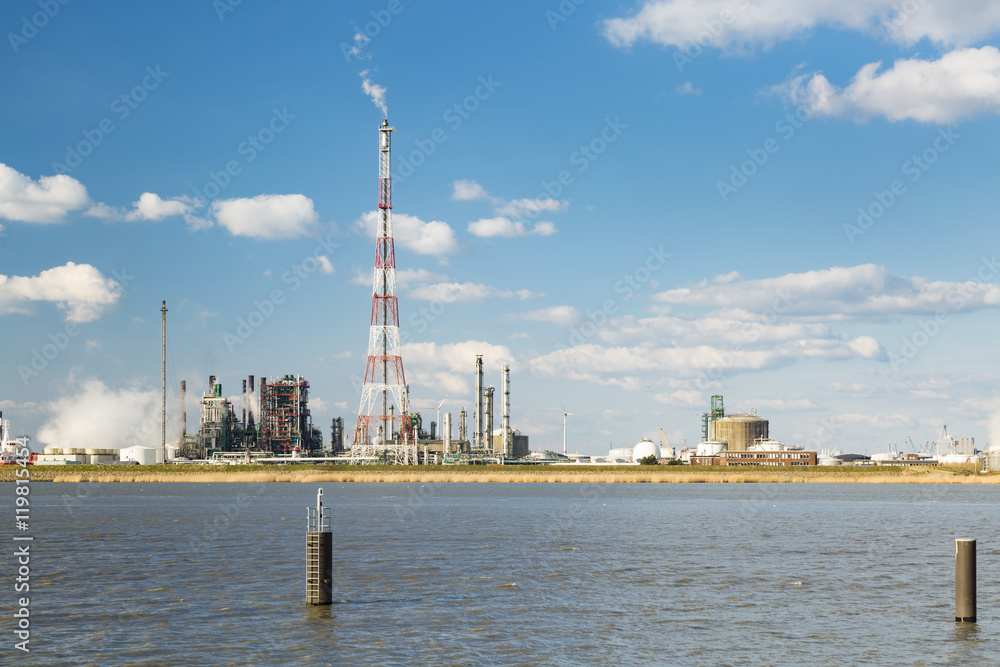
244, 405
251, 403
505, 411
463, 429
489, 418
211, 386
183, 411
477, 437
446, 431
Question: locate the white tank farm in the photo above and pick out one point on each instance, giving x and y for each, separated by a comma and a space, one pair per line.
643, 449
146, 456
710, 448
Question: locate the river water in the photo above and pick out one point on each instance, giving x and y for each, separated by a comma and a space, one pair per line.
506, 574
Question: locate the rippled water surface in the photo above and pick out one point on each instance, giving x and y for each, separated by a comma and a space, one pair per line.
502, 574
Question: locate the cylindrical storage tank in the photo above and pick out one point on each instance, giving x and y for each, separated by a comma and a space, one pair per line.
53, 450
993, 460
824, 460
710, 448
739, 431
623, 453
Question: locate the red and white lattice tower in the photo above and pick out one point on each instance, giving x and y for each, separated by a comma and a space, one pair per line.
384, 432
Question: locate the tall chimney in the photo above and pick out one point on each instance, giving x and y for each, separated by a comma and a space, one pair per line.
183, 411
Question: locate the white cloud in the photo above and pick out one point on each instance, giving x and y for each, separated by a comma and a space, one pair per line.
452, 292
562, 316
47, 200
739, 26
99, 416
450, 366
623, 366
519, 208
687, 88
688, 398
467, 190
962, 84
424, 238
325, 265
491, 227
373, 90
151, 207
267, 217
406, 277
79, 289
838, 293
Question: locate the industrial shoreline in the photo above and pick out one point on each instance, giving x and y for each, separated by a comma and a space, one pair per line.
501, 474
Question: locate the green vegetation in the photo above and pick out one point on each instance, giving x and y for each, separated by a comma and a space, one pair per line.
650, 460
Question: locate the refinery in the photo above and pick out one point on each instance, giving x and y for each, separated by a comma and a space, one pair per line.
270, 421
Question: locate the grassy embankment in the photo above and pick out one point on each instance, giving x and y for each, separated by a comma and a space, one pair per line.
566, 474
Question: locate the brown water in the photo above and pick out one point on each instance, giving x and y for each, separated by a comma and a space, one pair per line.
481, 574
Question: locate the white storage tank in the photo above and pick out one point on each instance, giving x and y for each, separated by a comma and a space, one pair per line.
710, 448
643, 449
146, 456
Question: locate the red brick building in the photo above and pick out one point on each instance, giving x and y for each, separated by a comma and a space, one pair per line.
751, 458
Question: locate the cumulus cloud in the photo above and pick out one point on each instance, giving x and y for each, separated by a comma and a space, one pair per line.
97, 416
867, 291
687, 88
424, 238
744, 26
151, 206
373, 90
452, 292
562, 316
325, 265
502, 225
624, 366
466, 190
449, 366
79, 289
507, 228
47, 200
962, 84
267, 217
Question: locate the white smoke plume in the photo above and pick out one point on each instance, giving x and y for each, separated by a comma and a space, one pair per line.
93, 415
376, 92
995, 431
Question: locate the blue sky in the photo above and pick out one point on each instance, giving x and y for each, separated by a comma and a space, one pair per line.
636, 205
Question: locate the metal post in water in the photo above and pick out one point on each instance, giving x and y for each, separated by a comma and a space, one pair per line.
319, 555
965, 580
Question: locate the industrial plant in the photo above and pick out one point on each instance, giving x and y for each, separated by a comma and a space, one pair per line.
270, 422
